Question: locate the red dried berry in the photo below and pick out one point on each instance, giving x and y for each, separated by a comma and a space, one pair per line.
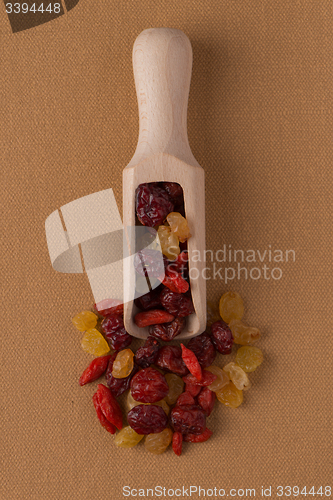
109, 406
206, 400
174, 190
149, 386
149, 262
191, 362
170, 359
207, 379
153, 204
147, 419
101, 417
180, 264
222, 337
152, 317
109, 306
203, 348
198, 438
192, 389
185, 399
188, 419
95, 370
148, 353
118, 385
178, 304
167, 331
119, 340
112, 324
177, 443
150, 300
175, 282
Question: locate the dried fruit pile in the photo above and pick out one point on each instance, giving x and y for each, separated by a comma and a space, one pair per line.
171, 389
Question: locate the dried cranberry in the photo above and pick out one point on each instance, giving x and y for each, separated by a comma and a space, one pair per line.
150, 300
152, 317
185, 399
167, 331
206, 400
153, 204
112, 324
119, 340
192, 389
149, 386
148, 353
207, 378
170, 359
203, 348
175, 191
198, 438
118, 385
180, 264
174, 281
147, 419
222, 337
178, 304
109, 306
149, 262
188, 419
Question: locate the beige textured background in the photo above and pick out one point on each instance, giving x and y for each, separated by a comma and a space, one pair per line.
260, 123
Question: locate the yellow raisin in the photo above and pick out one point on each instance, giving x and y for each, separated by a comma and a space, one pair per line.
127, 438
169, 242
176, 387
213, 314
221, 380
230, 396
231, 306
85, 321
243, 334
249, 358
163, 404
238, 376
94, 343
179, 226
158, 443
123, 364
130, 402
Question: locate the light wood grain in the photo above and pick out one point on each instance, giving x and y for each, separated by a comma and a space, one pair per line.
162, 64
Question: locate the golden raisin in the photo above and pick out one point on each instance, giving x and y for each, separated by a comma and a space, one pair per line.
249, 358
230, 396
176, 387
231, 306
243, 334
213, 314
158, 443
221, 380
130, 402
169, 242
127, 438
238, 376
94, 343
179, 226
85, 321
123, 364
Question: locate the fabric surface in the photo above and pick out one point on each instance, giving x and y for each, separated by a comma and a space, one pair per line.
260, 123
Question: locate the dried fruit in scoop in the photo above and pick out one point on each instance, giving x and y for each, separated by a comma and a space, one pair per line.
153, 204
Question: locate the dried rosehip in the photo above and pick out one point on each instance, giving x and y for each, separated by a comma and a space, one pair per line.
109, 406
152, 204
147, 419
191, 362
109, 306
207, 379
170, 359
193, 389
148, 353
167, 331
149, 262
178, 304
177, 443
149, 386
188, 419
175, 282
203, 348
185, 399
95, 370
206, 400
222, 337
150, 300
101, 417
119, 340
174, 190
198, 438
152, 317
112, 324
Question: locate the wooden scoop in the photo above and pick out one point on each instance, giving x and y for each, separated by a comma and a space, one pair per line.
162, 63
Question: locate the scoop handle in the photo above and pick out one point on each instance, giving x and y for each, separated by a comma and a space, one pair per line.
162, 65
